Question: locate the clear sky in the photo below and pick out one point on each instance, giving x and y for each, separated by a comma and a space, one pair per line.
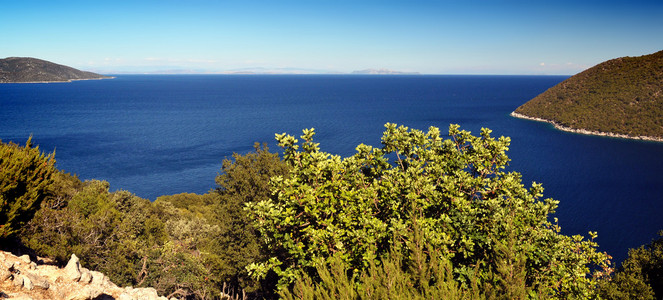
431, 37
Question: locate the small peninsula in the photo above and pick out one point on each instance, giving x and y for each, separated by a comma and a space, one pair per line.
32, 70
622, 97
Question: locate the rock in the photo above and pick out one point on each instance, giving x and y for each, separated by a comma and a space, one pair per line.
11, 265
37, 281
27, 283
21, 297
101, 280
140, 293
125, 296
86, 276
18, 281
4, 274
25, 258
72, 270
85, 293
50, 273
98, 278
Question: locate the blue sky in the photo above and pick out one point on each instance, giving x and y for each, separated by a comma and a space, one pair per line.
431, 37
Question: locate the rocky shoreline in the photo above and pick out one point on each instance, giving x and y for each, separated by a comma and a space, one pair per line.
585, 131
61, 81
23, 278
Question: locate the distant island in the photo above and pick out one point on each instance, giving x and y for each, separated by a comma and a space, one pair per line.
27, 69
383, 72
262, 71
621, 97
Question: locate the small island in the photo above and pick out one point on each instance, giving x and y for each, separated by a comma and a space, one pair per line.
621, 97
33, 70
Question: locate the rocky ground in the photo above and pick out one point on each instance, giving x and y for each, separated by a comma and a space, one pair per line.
22, 278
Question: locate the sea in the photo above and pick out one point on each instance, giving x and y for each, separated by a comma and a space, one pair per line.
158, 135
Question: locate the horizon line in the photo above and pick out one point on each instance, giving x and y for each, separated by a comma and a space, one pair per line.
330, 74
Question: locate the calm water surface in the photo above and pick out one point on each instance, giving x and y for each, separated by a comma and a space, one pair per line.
157, 135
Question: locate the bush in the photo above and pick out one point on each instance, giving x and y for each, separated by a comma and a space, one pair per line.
417, 273
456, 190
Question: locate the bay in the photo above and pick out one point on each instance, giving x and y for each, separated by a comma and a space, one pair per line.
164, 134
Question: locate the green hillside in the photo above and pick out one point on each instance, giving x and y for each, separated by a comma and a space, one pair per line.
28, 69
622, 96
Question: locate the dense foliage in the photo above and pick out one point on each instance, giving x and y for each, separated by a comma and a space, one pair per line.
422, 217
26, 176
623, 95
187, 245
640, 275
111, 232
397, 275
454, 191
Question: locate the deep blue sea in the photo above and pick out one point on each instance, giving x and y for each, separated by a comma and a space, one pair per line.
164, 134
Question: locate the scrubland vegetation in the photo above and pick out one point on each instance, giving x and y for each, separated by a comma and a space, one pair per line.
426, 216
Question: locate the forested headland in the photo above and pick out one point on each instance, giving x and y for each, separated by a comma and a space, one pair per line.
28, 69
428, 215
623, 97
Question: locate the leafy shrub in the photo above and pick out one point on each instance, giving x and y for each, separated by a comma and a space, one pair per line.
457, 191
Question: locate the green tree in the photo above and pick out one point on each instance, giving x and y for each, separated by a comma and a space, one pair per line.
640, 275
26, 176
466, 205
244, 179
213, 230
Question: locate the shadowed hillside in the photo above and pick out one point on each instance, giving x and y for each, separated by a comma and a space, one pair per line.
27, 69
623, 96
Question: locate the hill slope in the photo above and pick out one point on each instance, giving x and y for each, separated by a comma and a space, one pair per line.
27, 69
621, 97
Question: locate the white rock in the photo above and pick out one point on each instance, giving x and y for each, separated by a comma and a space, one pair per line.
25, 258
27, 283
37, 281
73, 269
125, 296
141, 293
85, 293
86, 276
18, 281
4, 274
98, 278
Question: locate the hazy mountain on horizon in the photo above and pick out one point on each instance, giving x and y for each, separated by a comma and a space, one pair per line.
383, 72
249, 70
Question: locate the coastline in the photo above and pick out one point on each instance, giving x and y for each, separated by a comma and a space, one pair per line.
585, 131
63, 81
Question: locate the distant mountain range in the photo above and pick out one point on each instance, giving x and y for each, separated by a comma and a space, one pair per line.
251, 70
383, 72
27, 69
622, 97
